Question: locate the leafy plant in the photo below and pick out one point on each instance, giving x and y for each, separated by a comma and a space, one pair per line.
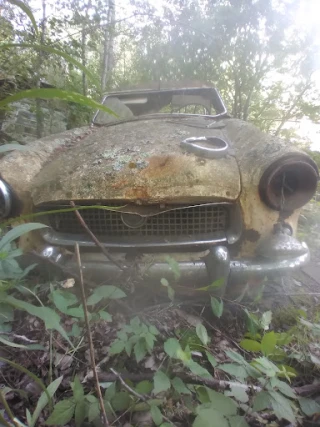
136, 336
75, 406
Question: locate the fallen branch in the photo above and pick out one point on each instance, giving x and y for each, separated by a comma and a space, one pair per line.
138, 395
305, 390
105, 421
308, 389
95, 240
192, 379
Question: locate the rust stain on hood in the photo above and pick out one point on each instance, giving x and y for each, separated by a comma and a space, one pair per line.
138, 160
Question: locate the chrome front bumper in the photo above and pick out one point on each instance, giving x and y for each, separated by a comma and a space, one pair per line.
193, 269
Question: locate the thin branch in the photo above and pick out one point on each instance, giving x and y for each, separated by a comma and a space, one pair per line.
19, 337
138, 395
95, 240
192, 379
125, 385
105, 421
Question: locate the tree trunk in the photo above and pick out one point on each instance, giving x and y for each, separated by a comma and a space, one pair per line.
84, 59
84, 48
39, 113
108, 45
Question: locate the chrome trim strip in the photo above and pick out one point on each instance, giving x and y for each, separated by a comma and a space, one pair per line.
195, 272
66, 239
131, 208
4, 189
263, 267
190, 145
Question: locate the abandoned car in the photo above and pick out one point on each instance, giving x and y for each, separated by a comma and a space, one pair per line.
172, 187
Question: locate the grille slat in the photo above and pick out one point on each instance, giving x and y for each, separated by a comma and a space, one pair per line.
193, 220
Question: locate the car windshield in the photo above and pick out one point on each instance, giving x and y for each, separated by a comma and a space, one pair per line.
188, 101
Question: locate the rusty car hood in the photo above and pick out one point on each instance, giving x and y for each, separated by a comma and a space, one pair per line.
139, 160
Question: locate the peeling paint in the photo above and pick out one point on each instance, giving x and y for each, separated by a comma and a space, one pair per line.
138, 159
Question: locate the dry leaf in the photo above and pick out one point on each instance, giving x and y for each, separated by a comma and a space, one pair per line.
69, 283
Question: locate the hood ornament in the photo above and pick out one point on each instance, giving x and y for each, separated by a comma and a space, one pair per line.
206, 146
133, 220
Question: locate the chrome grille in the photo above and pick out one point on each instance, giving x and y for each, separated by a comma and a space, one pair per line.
179, 221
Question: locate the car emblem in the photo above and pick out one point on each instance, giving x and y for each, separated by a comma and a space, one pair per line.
133, 220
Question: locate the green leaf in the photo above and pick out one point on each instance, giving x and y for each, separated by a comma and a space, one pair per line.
309, 406
27, 11
54, 51
236, 357
238, 392
105, 291
171, 293
237, 421
266, 320
266, 366
49, 316
224, 404
93, 410
110, 392
153, 330
161, 382
18, 231
24, 347
217, 284
10, 147
144, 387
104, 315
150, 339
281, 406
261, 401
235, 370
80, 414
43, 400
250, 345
197, 369
283, 338
253, 323
180, 386
174, 265
217, 307
202, 333
77, 389
211, 359
76, 312
62, 413
208, 416
156, 415
65, 95
28, 416
283, 387
140, 350
117, 347
121, 401
268, 343
171, 347
164, 282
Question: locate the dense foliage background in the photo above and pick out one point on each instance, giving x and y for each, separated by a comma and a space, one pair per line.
260, 54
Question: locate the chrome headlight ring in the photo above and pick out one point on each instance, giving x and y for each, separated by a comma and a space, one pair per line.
5, 200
